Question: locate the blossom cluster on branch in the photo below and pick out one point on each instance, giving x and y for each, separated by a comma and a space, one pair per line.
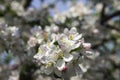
64, 49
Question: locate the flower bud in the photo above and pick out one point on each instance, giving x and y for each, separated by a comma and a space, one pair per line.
86, 45
64, 68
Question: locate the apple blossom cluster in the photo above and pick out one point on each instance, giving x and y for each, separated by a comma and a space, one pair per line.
39, 36
64, 49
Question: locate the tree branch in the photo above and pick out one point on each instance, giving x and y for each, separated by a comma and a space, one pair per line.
112, 27
106, 18
27, 3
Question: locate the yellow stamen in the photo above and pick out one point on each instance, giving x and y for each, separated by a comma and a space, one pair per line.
60, 55
63, 40
48, 64
40, 50
70, 37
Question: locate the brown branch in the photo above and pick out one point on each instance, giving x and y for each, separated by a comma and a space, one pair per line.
102, 15
106, 18
27, 3
112, 27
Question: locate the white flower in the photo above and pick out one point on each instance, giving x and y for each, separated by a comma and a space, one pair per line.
62, 50
66, 44
39, 34
47, 53
36, 31
32, 41
70, 40
48, 29
55, 28
51, 31
60, 18
14, 31
73, 34
62, 59
42, 50
17, 7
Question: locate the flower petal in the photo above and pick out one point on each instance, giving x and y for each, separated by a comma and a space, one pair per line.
60, 64
58, 73
84, 67
78, 37
49, 70
66, 31
68, 57
73, 30
76, 45
91, 54
37, 56
75, 55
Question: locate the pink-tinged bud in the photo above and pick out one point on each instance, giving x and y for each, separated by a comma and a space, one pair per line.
86, 45
95, 31
64, 68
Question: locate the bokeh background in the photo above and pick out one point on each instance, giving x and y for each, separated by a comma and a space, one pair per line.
98, 20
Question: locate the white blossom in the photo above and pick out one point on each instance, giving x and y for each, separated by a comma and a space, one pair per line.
61, 50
